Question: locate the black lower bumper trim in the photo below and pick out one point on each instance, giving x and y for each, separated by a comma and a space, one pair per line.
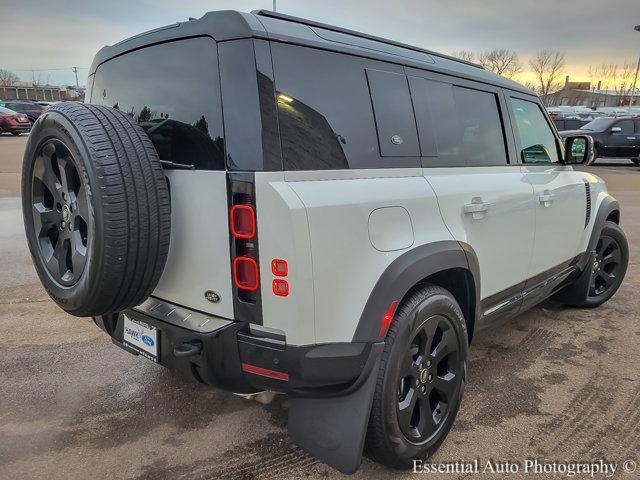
217, 358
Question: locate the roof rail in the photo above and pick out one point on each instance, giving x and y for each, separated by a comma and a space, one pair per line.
311, 23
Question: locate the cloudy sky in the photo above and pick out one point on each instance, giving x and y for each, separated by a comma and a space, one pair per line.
51, 36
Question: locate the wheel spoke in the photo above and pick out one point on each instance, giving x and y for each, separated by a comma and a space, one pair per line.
446, 385
44, 173
427, 424
446, 345
80, 204
64, 174
44, 218
405, 408
613, 257
58, 261
78, 252
606, 278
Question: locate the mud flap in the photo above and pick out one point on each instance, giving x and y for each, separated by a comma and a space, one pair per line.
333, 429
576, 291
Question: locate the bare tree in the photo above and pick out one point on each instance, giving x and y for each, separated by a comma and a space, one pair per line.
623, 82
547, 66
501, 61
7, 78
466, 55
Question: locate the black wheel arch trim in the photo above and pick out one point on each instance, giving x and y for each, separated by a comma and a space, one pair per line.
408, 270
608, 205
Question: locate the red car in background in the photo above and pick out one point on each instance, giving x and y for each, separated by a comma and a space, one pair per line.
13, 122
30, 108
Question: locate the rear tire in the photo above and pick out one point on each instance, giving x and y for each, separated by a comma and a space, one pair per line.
96, 208
421, 379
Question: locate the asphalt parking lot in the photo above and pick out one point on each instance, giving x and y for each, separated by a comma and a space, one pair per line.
556, 384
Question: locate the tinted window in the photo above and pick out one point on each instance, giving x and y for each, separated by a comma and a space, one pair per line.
597, 125
459, 126
324, 111
626, 126
537, 141
173, 91
393, 113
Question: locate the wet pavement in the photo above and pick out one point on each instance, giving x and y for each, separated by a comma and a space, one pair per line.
555, 384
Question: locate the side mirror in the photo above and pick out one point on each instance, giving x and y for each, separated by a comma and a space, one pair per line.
616, 130
578, 150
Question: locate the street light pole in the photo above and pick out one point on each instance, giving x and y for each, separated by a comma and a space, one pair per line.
635, 79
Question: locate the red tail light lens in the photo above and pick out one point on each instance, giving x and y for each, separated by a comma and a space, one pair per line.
243, 221
280, 287
279, 267
245, 273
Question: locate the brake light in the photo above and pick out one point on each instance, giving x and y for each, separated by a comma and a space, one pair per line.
388, 317
279, 267
243, 221
245, 273
280, 287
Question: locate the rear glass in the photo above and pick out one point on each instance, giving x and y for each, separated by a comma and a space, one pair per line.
173, 91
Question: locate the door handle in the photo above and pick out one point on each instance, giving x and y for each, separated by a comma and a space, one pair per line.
546, 199
631, 138
477, 208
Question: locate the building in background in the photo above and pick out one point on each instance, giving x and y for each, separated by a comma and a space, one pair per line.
585, 95
46, 93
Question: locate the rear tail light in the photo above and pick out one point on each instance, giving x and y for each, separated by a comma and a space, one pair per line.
243, 221
280, 287
279, 267
245, 273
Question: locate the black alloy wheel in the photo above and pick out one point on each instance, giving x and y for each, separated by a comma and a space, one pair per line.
421, 378
428, 378
607, 266
60, 212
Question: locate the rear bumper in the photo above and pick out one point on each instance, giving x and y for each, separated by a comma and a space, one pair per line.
233, 358
15, 128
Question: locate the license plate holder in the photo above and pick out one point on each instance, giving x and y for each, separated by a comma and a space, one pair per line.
141, 337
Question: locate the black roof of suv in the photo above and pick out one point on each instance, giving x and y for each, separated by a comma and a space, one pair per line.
230, 25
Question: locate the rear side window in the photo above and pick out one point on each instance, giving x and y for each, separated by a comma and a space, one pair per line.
458, 126
537, 141
173, 92
325, 111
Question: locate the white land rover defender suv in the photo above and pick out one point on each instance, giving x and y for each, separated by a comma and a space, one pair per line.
262, 202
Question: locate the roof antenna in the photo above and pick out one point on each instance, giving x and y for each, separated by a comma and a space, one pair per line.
274, 6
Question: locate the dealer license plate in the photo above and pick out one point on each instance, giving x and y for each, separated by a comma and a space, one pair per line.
141, 337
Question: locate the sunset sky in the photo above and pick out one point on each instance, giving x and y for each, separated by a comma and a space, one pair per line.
53, 36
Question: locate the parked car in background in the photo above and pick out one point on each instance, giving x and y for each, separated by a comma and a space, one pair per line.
13, 122
569, 123
612, 137
31, 109
46, 104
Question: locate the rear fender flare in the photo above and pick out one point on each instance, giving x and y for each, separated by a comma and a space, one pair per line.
408, 270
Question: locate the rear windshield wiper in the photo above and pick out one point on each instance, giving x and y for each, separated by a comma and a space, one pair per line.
176, 166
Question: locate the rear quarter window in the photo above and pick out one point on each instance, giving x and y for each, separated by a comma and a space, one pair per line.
325, 111
173, 91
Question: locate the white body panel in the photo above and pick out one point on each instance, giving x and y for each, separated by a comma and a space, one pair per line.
199, 257
560, 202
502, 236
283, 233
346, 265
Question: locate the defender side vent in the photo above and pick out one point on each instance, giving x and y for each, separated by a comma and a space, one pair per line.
587, 189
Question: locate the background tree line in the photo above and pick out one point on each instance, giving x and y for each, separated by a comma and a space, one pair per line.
548, 68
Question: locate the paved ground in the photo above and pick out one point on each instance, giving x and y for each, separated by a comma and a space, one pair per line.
557, 384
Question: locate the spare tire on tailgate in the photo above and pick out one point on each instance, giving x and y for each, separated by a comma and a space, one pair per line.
96, 208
